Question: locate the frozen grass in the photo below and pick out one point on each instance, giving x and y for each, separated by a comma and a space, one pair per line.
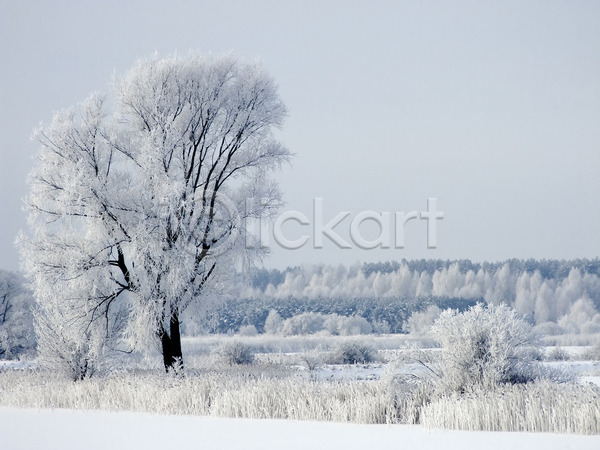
536, 407
237, 395
572, 340
268, 343
301, 386
557, 354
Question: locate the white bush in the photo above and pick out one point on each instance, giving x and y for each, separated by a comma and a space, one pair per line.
558, 354
236, 353
582, 318
17, 336
67, 347
591, 354
484, 346
305, 323
353, 353
273, 323
548, 329
347, 326
419, 323
248, 330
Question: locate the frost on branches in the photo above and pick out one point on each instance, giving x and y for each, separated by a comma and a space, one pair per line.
486, 346
16, 321
138, 203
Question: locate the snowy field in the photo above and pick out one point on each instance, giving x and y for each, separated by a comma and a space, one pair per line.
155, 411
66, 429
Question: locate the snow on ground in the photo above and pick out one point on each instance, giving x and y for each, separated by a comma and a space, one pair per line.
17, 364
590, 379
67, 429
578, 368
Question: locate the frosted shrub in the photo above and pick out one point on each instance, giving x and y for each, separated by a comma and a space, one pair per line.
419, 323
591, 354
485, 346
548, 329
558, 354
68, 350
236, 353
248, 330
312, 360
305, 323
273, 323
350, 326
353, 353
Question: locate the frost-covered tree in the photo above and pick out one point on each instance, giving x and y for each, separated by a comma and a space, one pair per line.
138, 202
420, 322
16, 319
273, 322
484, 346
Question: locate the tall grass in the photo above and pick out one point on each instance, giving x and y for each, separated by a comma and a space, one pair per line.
268, 343
536, 407
237, 395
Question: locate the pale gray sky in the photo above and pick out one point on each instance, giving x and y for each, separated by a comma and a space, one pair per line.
491, 107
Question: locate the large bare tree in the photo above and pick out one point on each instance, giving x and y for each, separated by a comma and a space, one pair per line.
138, 202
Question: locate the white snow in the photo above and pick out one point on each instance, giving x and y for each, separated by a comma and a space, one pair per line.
68, 429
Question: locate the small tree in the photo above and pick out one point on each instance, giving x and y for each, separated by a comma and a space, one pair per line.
419, 323
484, 346
16, 319
140, 204
273, 322
236, 353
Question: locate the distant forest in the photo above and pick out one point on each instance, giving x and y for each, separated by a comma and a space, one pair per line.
561, 295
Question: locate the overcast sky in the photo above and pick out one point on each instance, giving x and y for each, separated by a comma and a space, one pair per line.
492, 108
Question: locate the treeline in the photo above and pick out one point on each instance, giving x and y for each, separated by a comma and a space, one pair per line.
559, 296
564, 293
548, 268
386, 315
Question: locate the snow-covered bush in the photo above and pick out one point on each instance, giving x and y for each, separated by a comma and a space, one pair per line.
273, 323
75, 333
312, 360
305, 323
582, 318
548, 329
558, 354
68, 344
235, 353
347, 326
16, 320
353, 353
485, 346
248, 330
312, 323
591, 354
419, 323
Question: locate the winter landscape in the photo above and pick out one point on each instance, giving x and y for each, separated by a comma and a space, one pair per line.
318, 225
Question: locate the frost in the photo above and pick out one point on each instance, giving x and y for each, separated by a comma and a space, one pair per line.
136, 209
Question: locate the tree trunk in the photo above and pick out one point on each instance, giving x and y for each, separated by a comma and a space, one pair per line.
171, 346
